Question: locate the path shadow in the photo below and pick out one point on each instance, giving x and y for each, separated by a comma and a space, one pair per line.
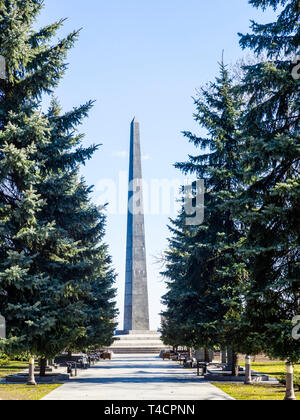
131, 366
139, 380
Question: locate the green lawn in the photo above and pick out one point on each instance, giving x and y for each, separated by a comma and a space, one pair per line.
257, 392
24, 392
272, 368
260, 391
12, 367
13, 392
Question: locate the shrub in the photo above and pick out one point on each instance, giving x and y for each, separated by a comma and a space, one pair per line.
21, 357
4, 360
297, 381
282, 380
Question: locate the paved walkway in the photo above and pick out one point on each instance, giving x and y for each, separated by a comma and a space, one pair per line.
137, 377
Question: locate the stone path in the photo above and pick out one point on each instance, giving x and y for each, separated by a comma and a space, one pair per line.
137, 377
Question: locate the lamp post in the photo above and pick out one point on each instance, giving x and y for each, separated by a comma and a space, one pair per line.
290, 392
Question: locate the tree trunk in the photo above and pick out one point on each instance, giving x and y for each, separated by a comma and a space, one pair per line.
229, 359
190, 353
206, 357
43, 366
69, 356
224, 356
235, 364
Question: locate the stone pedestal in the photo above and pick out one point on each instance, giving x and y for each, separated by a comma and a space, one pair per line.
138, 342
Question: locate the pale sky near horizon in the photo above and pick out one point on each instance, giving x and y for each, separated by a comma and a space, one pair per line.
144, 59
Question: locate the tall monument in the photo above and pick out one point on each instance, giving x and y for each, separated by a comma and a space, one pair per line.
136, 312
136, 336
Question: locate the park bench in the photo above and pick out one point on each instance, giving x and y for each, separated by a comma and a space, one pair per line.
106, 356
72, 368
167, 356
97, 357
183, 357
84, 362
190, 363
203, 367
94, 357
92, 360
176, 357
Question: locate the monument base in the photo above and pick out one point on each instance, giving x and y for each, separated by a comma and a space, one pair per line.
138, 342
136, 332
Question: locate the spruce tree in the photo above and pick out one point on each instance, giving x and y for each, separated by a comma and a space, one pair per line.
270, 206
77, 259
213, 270
53, 262
176, 328
33, 67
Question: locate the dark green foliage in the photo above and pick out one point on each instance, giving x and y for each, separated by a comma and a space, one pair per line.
270, 206
55, 275
202, 263
4, 359
177, 329
276, 38
235, 281
282, 380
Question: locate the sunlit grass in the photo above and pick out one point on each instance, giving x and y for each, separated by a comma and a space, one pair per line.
260, 391
276, 369
14, 392
257, 392
11, 368
19, 392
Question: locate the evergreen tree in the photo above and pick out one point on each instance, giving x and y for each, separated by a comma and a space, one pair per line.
76, 260
270, 206
176, 327
212, 309
53, 262
33, 67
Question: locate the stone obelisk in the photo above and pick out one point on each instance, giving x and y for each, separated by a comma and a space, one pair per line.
136, 337
136, 314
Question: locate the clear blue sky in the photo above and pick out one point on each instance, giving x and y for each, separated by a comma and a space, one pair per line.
144, 58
